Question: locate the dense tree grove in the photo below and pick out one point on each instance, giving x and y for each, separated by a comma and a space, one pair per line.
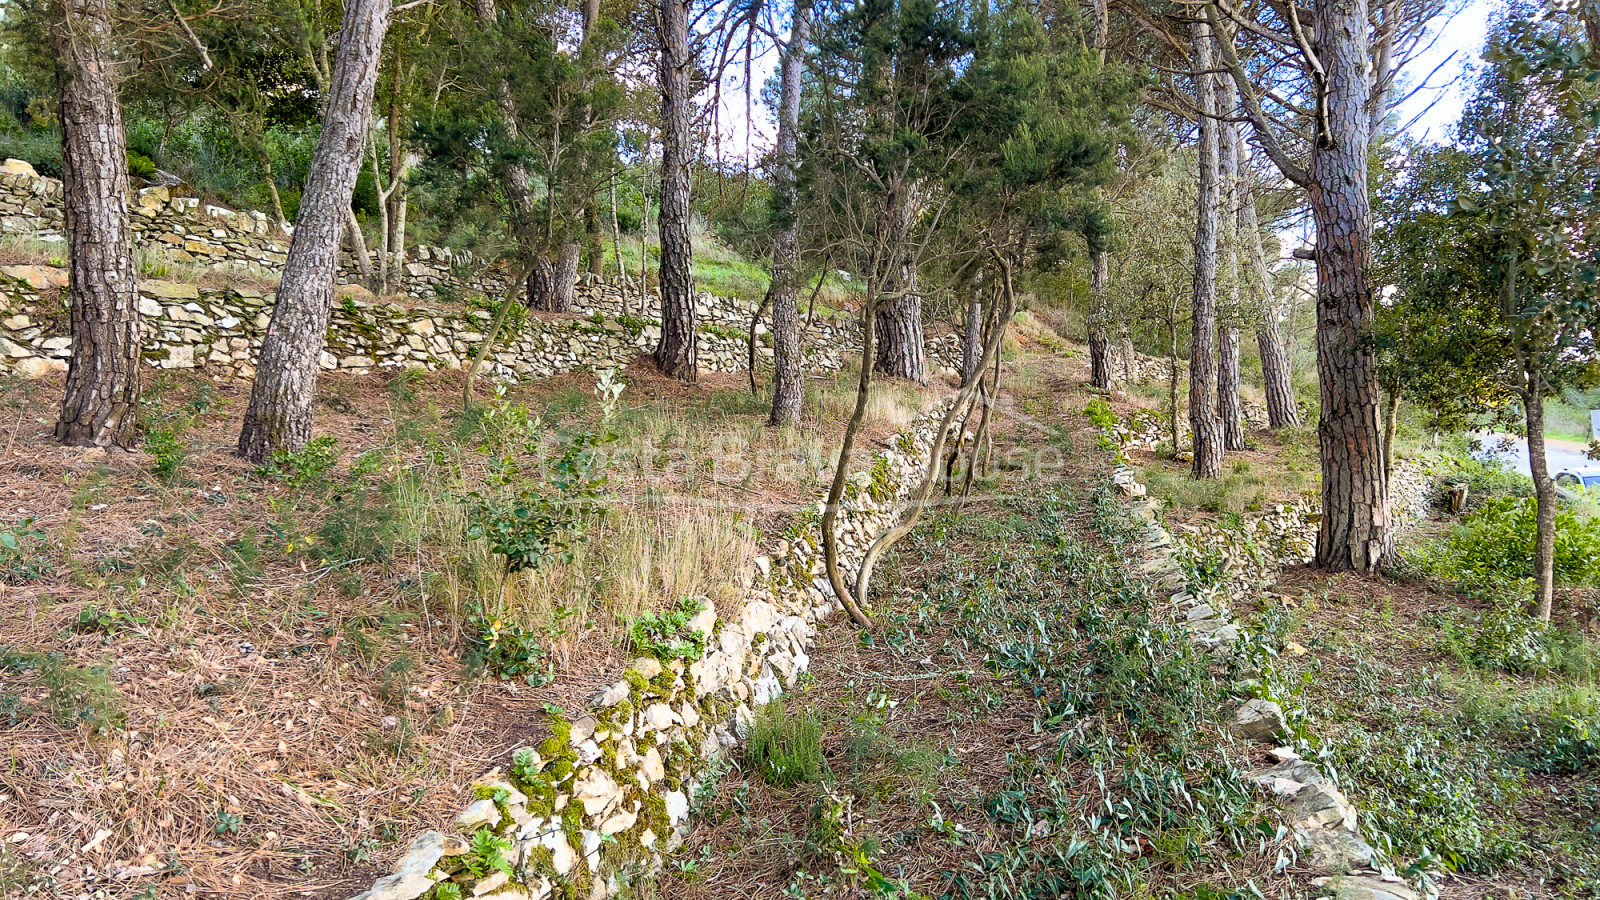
937, 164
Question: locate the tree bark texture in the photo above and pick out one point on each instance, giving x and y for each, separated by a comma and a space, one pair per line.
1355, 531
1204, 423
564, 277
1099, 314
900, 350
1391, 417
675, 352
972, 339
1282, 411
101, 403
787, 371
1229, 408
279, 415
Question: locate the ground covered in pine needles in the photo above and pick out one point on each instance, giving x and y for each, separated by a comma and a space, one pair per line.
245, 681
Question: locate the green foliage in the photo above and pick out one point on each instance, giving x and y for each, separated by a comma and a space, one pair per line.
786, 748
1100, 414
533, 528
364, 527
139, 165
664, 635
22, 559
168, 450
506, 651
309, 466
107, 620
487, 853
73, 694
1427, 796
1497, 542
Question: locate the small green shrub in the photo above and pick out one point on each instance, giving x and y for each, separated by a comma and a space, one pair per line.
21, 556
308, 466
139, 165
785, 748
107, 620
364, 528
74, 694
168, 451
664, 635
506, 651
1100, 414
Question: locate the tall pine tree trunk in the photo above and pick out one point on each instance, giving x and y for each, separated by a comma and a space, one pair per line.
1203, 419
1355, 532
900, 350
1099, 317
786, 367
279, 416
101, 403
1229, 408
1282, 411
564, 278
675, 352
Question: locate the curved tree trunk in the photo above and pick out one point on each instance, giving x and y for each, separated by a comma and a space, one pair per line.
786, 365
1282, 411
279, 416
1099, 314
101, 403
1355, 532
1203, 420
675, 353
900, 350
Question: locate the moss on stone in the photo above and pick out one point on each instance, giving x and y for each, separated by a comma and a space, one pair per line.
637, 681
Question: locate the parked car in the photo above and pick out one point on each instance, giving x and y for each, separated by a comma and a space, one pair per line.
1578, 479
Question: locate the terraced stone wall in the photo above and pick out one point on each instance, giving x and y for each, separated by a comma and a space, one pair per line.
609, 792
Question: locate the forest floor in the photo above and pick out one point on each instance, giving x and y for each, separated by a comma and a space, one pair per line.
247, 682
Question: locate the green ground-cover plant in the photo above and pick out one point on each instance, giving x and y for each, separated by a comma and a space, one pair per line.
665, 635
785, 747
22, 552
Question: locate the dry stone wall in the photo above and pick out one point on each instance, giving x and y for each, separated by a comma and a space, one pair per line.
1243, 563
608, 793
220, 329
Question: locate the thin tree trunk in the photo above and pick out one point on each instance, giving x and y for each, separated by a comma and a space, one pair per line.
1099, 318
675, 353
1544, 492
1229, 408
1203, 419
101, 403
841, 471
908, 521
279, 415
1172, 380
972, 338
512, 289
1282, 411
1355, 532
616, 241
786, 367
358, 248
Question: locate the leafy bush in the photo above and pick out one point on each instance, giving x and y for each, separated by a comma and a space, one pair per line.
664, 636
1486, 480
139, 165
1497, 543
785, 748
363, 528
1100, 414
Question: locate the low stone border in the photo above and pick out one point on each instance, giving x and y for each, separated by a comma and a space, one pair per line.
608, 793
1322, 820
